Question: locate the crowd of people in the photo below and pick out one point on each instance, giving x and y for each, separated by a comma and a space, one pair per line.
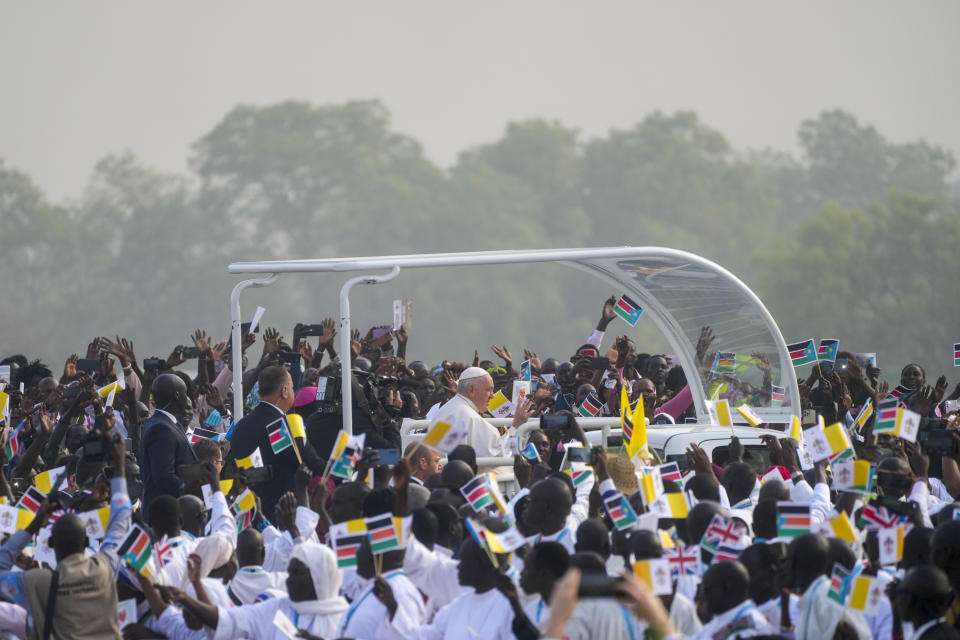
137, 505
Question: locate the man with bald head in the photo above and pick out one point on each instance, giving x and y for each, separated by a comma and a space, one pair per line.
251, 579
474, 391
194, 514
164, 445
84, 588
548, 507
724, 593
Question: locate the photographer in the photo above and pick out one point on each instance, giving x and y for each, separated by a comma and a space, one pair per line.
69, 601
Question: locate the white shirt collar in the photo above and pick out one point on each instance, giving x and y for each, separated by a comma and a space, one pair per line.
168, 414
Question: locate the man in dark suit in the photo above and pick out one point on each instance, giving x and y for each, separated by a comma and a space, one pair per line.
163, 444
275, 387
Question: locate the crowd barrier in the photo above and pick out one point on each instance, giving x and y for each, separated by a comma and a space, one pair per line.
606, 427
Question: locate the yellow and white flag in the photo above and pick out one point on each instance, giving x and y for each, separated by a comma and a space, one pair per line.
253, 461
655, 574
445, 437
724, 419
637, 447
750, 415
244, 502
46, 479
108, 392
842, 527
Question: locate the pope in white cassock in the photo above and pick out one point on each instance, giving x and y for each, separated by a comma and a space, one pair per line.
474, 391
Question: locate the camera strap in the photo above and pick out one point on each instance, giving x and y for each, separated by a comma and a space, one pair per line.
51, 603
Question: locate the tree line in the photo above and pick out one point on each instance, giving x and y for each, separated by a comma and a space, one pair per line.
855, 237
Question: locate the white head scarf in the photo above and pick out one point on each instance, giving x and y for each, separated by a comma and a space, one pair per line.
214, 551
326, 577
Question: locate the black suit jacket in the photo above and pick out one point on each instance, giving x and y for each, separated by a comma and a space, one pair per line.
251, 432
163, 446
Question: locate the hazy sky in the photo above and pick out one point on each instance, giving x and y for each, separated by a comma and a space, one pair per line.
79, 80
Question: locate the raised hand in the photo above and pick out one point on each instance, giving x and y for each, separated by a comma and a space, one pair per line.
329, 332
70, 367
116, 349
299, 330
939, 389
402, 335
504, 354
306, 352
622, 348
106, 366
704, 342
881, 392
271, 341
607, 314
213, 397
534, 359
356, 346
789, 458
201, 341
176, 357
286, 514
448, 381
699, 459
522, 413
736, 449
600, 463
217, 350
924, 401
521, 470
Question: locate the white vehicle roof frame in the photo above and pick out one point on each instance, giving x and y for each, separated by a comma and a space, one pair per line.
649, 275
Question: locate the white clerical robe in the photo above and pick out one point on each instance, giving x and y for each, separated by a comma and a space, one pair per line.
604, 619
278, 545
433, 573
819, 615
472, 616
256, 621
537, 612
683, 616
481, 435
773, 613
251, 581
742, 621
368, 618
221, 523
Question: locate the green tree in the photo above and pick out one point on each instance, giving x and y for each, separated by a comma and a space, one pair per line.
673, 181
879, 278
853, 164
547, 158
297, 180
40, 259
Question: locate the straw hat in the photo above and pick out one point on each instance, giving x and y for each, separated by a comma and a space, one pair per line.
623, 474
